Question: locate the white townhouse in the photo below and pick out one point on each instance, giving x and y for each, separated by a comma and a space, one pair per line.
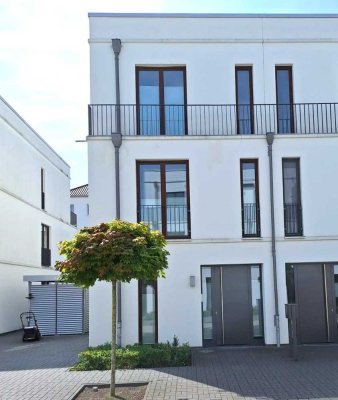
221, 131
34, 211
79, 206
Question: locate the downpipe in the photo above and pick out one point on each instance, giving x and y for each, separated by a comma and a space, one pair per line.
117, 142
270, 138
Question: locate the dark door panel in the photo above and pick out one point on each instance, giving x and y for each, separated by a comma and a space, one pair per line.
237, 314
311, 300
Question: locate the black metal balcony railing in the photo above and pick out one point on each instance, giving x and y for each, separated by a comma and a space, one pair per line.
213, 120
293, 224
45, 257
175, 219
250, 225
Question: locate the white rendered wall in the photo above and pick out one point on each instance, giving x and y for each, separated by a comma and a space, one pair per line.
210, 48
22, 155
81, 210
214, 166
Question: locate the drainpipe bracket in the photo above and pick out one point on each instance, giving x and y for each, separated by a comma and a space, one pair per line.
116, 139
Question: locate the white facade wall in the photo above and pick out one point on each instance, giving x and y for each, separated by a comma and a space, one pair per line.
210, 48
81, 209
22, 155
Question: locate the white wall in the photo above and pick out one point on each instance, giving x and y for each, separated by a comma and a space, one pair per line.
22, 155
81, 210
210, 48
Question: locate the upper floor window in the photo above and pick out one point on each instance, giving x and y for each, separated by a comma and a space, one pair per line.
161, 100
163, 197
244, 100
42, 188
284, 99
293, 223
250, 198
45, 246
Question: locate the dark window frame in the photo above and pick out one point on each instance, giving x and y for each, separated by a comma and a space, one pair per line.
292, 119
42, 189
252, 119
258, 220
45, 247
162, 164
140, 327
300, 209
161, 96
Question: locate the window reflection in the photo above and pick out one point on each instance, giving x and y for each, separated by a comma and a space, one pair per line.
244, 100
148, 312
249, 197
284, 99
206, 303
150, 195
161, 99
256, 295
176, 199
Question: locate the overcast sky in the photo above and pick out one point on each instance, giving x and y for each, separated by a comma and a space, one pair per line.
44, 64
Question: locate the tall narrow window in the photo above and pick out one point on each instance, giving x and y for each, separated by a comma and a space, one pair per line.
244, 101
45, 246
250, 198
161, 99
293, 224
42, 188
148, 312
284, 97
163, 198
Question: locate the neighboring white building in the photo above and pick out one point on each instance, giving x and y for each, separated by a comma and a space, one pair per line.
198, 94
34, 211
79, 205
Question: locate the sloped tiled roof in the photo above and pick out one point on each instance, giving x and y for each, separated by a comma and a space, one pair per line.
80, 191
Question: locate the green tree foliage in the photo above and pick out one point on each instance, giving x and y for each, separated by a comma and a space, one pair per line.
113, 251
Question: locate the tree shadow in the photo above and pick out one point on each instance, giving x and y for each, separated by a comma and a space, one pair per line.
263, 372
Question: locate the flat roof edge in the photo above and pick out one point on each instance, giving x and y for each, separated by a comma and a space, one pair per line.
211, 15
34, 131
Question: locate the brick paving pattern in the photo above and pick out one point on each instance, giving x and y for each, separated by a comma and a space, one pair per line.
38, 371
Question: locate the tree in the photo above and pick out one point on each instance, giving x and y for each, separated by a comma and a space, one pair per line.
113, 251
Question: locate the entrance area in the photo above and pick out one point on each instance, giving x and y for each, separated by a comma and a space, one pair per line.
232, 312
314, 288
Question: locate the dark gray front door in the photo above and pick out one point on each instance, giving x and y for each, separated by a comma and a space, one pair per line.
314, 294
232, 305
237, 313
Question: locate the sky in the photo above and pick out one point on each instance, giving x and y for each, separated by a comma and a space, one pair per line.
44, 59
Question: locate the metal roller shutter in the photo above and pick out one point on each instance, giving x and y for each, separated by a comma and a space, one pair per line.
69, 309
43, 305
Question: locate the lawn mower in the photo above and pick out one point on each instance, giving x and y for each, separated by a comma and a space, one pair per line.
29, 326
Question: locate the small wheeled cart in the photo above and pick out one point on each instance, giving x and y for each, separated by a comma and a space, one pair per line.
29, 326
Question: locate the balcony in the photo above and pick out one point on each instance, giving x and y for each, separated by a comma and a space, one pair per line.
172, 221
212, 120
293, 224
45, 257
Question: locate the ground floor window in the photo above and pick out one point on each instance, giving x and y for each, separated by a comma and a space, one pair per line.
148, 317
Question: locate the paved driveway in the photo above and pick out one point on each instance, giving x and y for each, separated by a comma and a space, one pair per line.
37, 371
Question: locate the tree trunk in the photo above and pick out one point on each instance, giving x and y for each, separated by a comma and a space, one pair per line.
113, 341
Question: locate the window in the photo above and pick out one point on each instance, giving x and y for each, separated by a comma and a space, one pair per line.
244, 100
42, 188
250, 198
87, 209
148, 315
163, 197
45, 246
161, 100
72, 207
293, 224
284, 97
